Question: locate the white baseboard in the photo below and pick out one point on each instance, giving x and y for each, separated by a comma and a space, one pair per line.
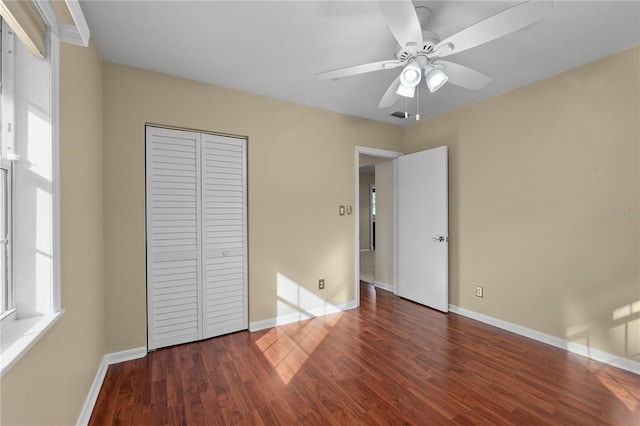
576, 348
94, 390
383, 286
301, 316
361, 250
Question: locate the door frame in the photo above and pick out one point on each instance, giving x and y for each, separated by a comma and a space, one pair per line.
382, 153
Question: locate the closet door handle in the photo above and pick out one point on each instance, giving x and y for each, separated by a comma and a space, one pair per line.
226, 253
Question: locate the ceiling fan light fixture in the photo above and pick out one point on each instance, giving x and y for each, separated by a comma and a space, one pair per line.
435, 79
411, 75
406, 91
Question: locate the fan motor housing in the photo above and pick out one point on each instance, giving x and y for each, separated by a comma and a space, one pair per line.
430, 40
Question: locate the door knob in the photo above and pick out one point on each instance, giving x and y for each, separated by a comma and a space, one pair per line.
226, 253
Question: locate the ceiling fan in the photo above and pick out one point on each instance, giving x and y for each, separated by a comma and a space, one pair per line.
420, 51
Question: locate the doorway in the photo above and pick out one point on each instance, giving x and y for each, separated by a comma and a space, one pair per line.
416, 255
368, 246
366, 219
375, 218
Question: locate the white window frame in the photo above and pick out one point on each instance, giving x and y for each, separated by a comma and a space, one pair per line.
5, 165
8, 68
6, 152
22, 328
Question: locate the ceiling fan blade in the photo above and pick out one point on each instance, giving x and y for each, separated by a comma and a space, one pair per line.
496, 26
463, 76
358, 69
390, 96
403, 22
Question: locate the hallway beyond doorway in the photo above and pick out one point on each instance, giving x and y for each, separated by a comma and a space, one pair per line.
368, 266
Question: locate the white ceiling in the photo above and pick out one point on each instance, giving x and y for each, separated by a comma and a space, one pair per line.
275, 48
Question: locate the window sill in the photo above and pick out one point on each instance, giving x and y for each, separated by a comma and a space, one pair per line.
10, 315
19, 335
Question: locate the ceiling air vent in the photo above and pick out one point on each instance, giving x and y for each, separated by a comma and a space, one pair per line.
400, 114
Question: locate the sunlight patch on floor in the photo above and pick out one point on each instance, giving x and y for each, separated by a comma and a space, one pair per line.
286, 350
627, 329
332, 320
629, 400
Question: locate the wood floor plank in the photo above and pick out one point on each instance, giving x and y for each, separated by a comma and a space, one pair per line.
389, 362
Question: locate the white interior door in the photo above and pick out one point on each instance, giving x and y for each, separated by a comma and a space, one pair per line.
224, 222
197, 280
173, 237
423, 247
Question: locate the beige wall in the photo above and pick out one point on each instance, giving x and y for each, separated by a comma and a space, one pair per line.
384, 222
538, 177
294, 228
49, 384
365, 180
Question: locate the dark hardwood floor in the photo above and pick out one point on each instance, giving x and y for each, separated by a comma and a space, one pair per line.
389, 362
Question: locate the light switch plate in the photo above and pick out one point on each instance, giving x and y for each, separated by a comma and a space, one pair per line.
341, 210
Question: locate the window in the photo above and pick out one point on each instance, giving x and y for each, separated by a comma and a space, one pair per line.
373, 202
29, 223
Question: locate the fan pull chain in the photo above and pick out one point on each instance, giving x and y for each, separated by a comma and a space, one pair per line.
406, 108
417, 104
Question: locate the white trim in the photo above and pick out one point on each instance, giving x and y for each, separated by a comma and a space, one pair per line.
70, 34
54, 67
94, 390
19, 335
77, 33
9, 315
301, 316
49, 15
7, 133
80, 21
363, 250
383, 286
377, 153
576, 348
396, 227
127, 355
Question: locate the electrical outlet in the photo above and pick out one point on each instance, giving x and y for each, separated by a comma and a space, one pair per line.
321, 284
479, 291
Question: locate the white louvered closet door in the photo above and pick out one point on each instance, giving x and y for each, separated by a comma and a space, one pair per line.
196, 236
224, 223
174, 279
